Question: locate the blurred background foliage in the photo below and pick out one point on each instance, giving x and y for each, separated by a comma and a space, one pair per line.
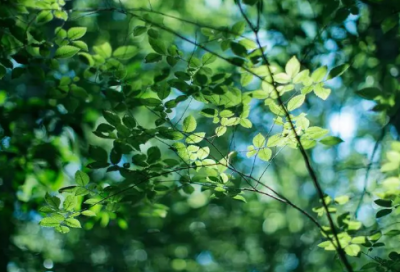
45, 138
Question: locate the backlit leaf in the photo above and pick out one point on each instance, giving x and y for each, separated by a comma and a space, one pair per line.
66, 51
296, 102
75, 33
189, 124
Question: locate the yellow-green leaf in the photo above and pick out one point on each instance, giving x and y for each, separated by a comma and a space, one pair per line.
195, 138
72, 222
189, 124
319, 74
296, 102
259, 140
265, 154
292, 67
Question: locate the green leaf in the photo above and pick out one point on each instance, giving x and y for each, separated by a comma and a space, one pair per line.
239, 27
153, 154
152, 57
69, 203
338, 70
292, 67
88, 213
246, 123
125, 52
238, 49
44, 16
369, 266
112, 118
383, 203
316, 132
171, 135
81, 45
369, 93
78, 92
72, 222
195, 138
331, 140
140, 160
52, 201
281, 78
97, 165
158, 46
259, 140
81, 191
341, 200
393, 156
98, 153
152, 33
46, 209
319, 74
275, 140
359, 240
66, 51
239, 198
392, 233
189, 124
129, 121
246, 79
62, 229
375, 237
352, 250
296, 102
75, 33
220, 131
52, 221
104, 50
92, 201
265, 154
251, 151
61, 14
321, 92
389, 166
208, 58
81, 178
139, 30
302, 76
151, 102
203, 152
383, 212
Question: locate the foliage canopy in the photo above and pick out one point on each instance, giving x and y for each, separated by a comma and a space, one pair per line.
199, 135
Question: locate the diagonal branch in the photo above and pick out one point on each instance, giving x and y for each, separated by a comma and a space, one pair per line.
311, 171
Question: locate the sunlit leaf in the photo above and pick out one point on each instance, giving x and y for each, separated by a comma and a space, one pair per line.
66, 51
75, 33
296, 102
331, 140
72, 222
189, 124
292, 67
319, 74
265, 154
